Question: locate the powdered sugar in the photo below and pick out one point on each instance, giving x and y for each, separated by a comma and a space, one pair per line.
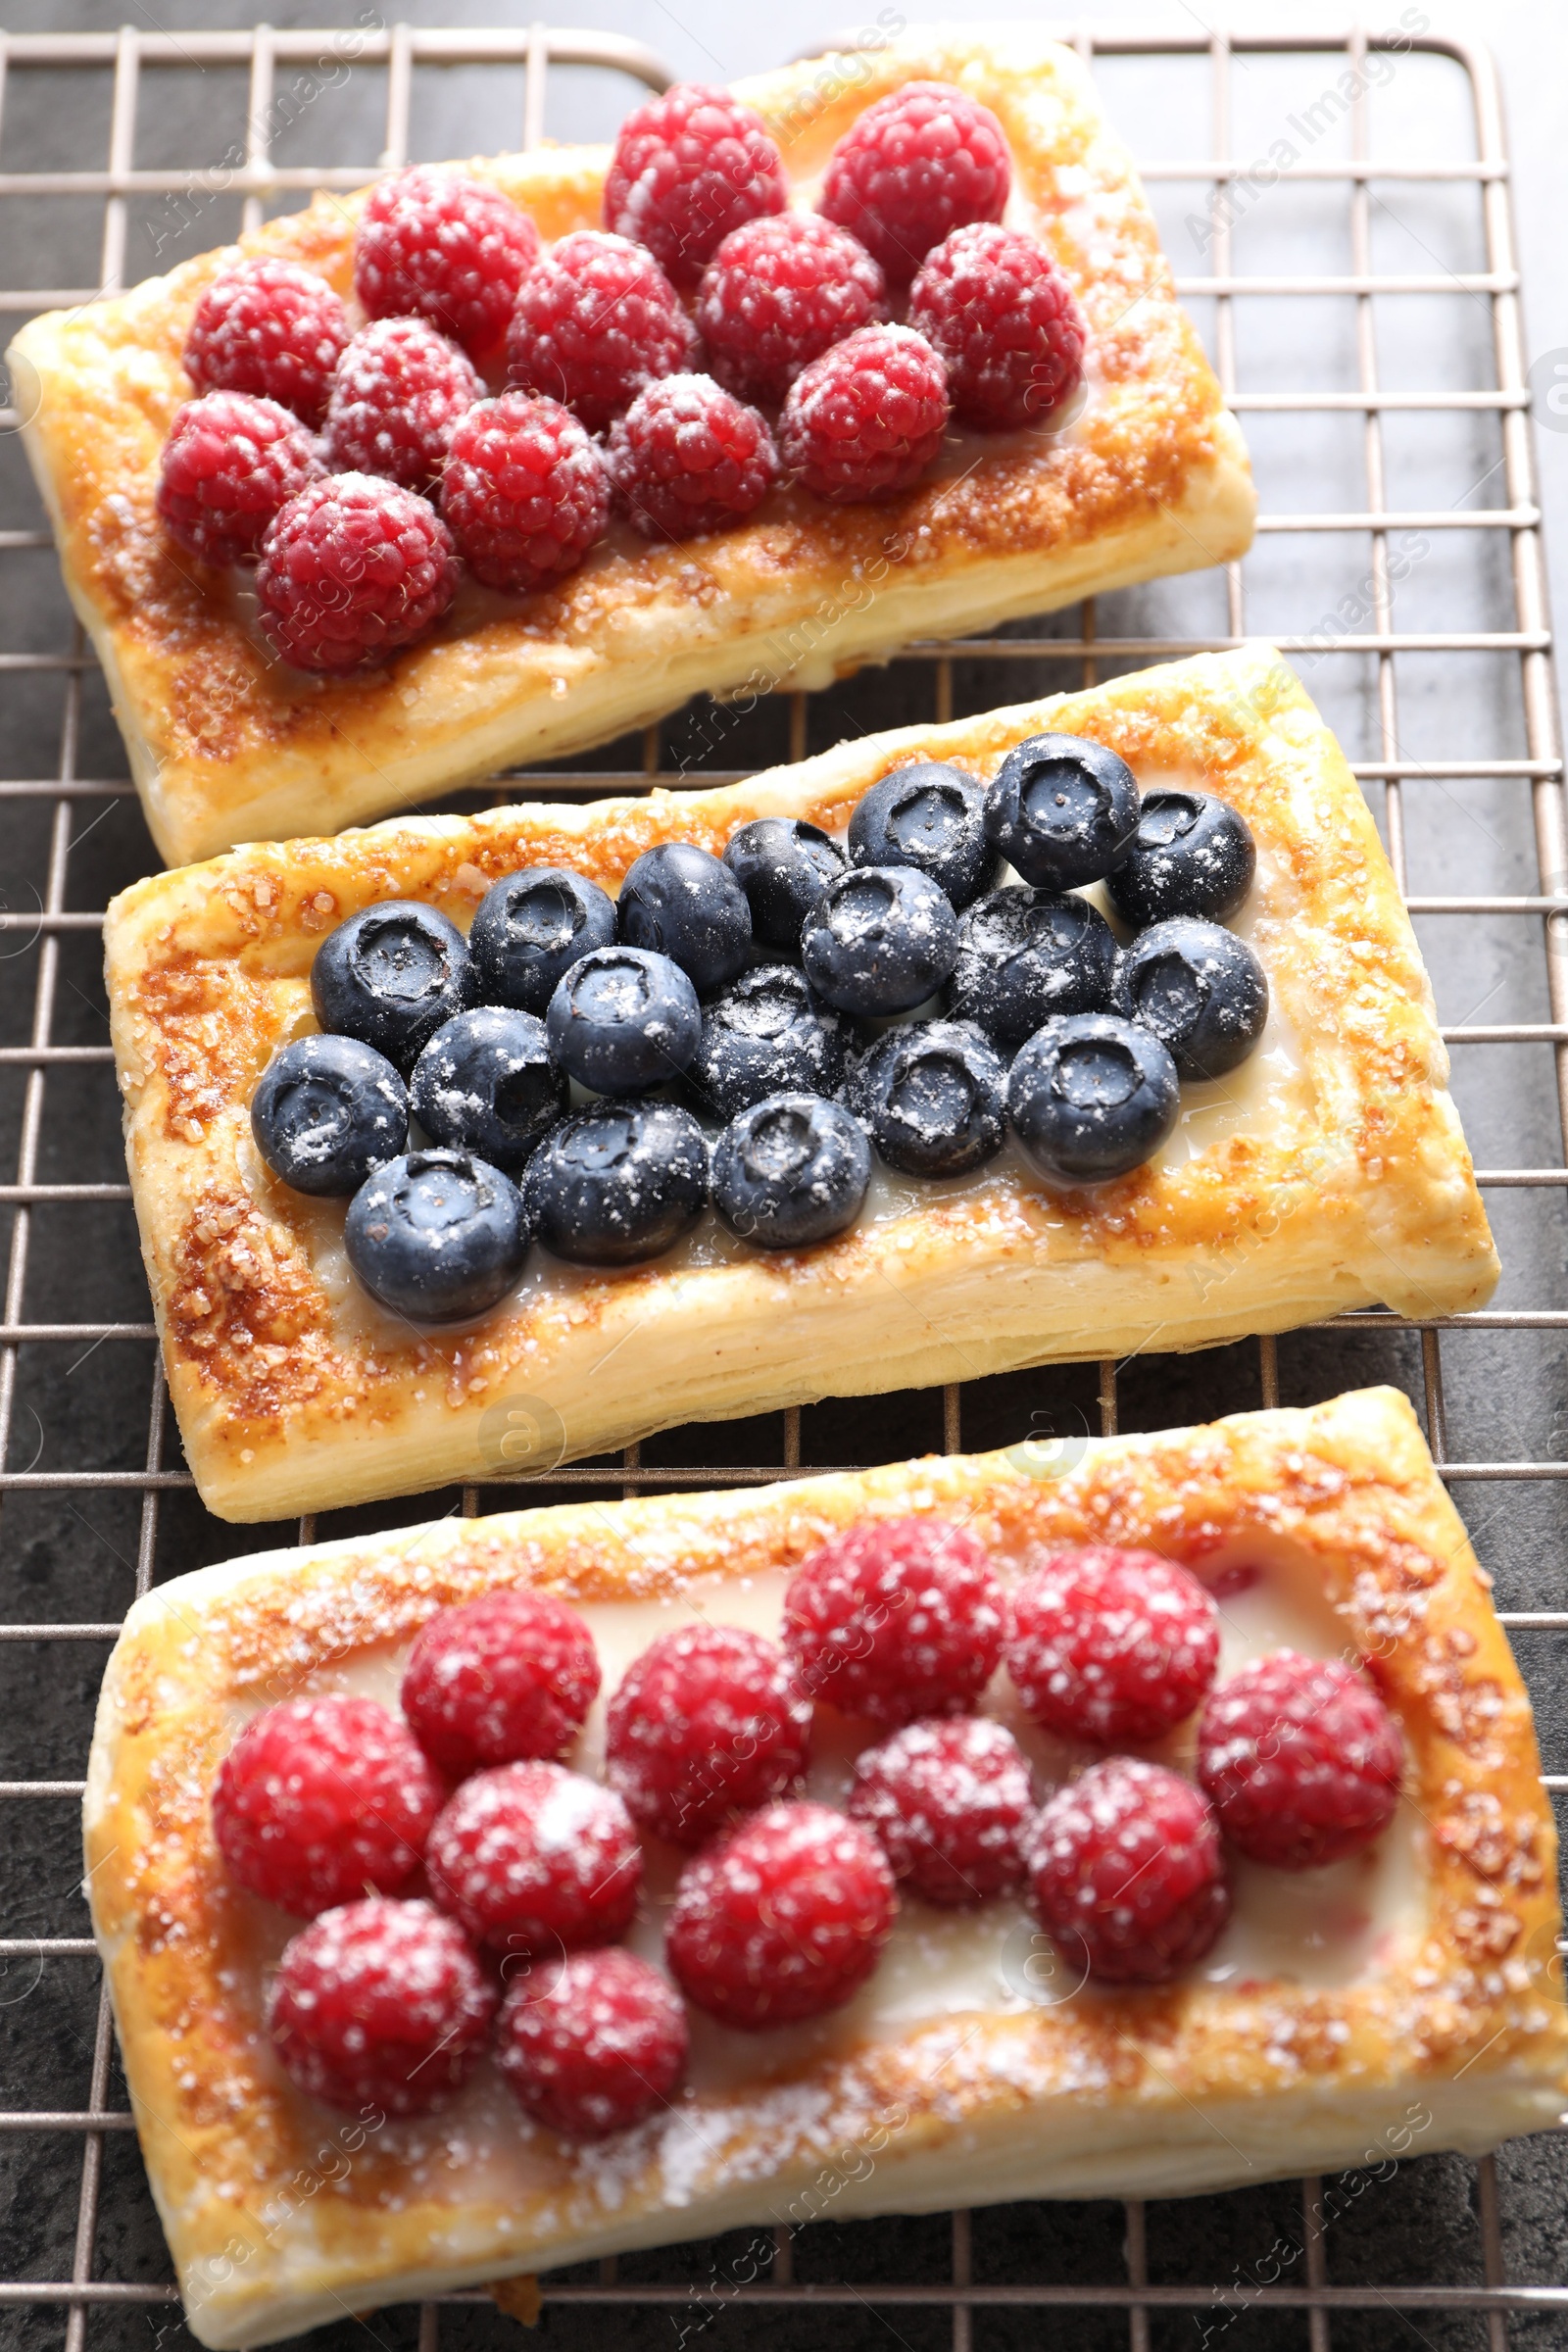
948, 1800
533, 1857
709, 1722
1111, 1646
400, 388
868, 418
897, 1618
782, 1920
597, 2045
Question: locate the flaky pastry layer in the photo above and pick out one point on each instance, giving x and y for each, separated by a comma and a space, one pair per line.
228, 745
281, 2214
1329, 1172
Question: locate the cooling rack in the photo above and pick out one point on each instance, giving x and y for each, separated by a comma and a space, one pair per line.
1340, 225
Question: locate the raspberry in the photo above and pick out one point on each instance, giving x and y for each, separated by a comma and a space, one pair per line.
868, 418
688, 168
531, 1857
498, 1680
595, 322
351, 568
916, 167
708, 1721
1127, 1872
271, 328
782, 1919
400, 388
687, 459
438, 245
1003, 315
948, 1801
1111, 1646
894, 1619
230, 463
1300, 1760
778, 292
379, 2004
322, 1799
525, 491
599, 2046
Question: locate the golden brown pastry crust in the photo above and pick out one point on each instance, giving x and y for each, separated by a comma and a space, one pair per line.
1460, 2042
294, 1394
227, 746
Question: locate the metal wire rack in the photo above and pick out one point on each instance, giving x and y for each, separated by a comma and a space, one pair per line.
85, 2246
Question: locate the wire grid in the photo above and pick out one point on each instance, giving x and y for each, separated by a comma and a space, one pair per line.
100, 2122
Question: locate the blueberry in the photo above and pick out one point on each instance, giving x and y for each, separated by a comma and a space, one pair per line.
328, 1111
437, 1236
390, 976
783, 864
883, 940
791, 1170
680, 901
618, 1183
933, 1096
623, 1020
1025, 955
485, 1083
1192, 855
1199, 989
766, 1034
1092, 1096
531, 928
932, 818
1061, 811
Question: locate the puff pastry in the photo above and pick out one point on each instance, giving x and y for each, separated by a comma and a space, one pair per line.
1407, 2001
1328, 1172
227, 746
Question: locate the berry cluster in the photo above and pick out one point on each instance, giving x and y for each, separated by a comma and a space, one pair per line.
599, 346
418, 1889
712, 1010
336, 1810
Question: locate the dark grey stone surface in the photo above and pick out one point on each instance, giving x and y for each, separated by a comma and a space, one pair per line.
71, 1553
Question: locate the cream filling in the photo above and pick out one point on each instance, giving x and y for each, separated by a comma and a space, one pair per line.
1315, 1928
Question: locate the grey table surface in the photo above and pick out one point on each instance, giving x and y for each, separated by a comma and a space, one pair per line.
69, 1554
